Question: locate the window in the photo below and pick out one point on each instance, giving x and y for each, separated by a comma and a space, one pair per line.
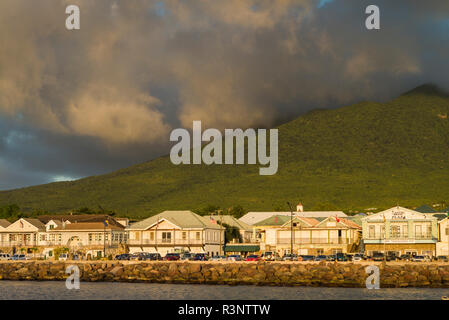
395, 231
90, 237
372, 231
166, 237
428, 230
418, 231
184, 235
152, 236
198, 236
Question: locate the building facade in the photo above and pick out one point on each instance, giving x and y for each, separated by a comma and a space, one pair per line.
442, 246
176, 231
311, 236
42, 235
400, 230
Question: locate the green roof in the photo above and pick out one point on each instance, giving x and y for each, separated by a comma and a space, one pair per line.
355, 219
241, 248
425, 209
440, 216
274, 221
183, 219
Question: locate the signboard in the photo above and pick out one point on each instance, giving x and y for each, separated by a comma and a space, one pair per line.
398, 215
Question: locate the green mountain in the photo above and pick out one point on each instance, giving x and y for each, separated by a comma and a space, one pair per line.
355, 157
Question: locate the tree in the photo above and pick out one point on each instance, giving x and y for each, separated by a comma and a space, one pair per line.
237, 211
10, 210
231, 233
209, 209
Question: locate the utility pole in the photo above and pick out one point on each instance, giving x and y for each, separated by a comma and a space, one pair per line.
104, 239
221, 224
291, 229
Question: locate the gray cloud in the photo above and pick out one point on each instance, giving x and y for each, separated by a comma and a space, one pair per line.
90, 101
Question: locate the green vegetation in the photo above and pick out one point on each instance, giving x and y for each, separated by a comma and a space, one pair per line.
232, 233
352, 158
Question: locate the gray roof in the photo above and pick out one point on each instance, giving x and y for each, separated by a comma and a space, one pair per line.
35, 222
183, 219
4, 223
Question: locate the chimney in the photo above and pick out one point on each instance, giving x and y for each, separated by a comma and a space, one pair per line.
299, 207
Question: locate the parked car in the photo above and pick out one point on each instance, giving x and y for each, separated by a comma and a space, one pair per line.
252, 257
391, 257
218, 258
428, 258
63, 257
307, 258
357, 257
200, 257
134, 256
18, 257
320, 258
154, 256
349, 257
234, 257
5, 256
142, 256
172, 257
123, 256
378, 256
341, 257
290, 257
442, 259
405, 257
270, 256
187, 256
418, 259
331, 257
75, 257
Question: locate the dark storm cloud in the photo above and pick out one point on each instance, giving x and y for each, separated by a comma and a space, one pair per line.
86, 102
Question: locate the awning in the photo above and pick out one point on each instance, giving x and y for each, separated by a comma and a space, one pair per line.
241, 248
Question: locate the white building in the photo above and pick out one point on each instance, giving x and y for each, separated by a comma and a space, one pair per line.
176, 231
254, 217
442, 246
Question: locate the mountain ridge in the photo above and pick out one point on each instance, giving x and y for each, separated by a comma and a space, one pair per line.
363, 155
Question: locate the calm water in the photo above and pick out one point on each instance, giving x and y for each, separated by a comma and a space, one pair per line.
51, 290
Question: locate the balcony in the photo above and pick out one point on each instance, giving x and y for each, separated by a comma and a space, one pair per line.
175, 242
313, 241
400, 237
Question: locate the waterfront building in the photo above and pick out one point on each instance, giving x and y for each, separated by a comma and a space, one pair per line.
401, 231
442, 246
311, 236
177, 231
77, 233
254, 217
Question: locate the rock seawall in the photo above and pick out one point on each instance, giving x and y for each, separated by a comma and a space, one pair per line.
271, 273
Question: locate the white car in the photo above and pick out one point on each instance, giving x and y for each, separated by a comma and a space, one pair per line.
5, 256
357, 257
418, 259
63, 256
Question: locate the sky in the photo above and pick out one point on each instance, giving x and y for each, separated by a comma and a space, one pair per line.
90, 101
